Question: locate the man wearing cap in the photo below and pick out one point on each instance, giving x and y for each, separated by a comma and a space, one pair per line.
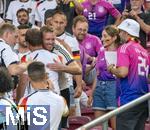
132, 71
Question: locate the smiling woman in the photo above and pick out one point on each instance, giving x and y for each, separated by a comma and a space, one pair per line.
110, 37
104, 95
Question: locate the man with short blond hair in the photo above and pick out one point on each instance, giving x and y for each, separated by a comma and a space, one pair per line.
9, 58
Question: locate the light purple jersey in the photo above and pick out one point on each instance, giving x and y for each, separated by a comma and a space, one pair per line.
91, 45
101, 67
97, 15
133, 56
83, 60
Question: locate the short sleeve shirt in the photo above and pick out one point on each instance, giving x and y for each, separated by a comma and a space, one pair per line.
41, 9
97, 15
7, 105
7, 54
46, 57
74, 45
92, 45
133, 56
66, 58
57, 106
14, 6
101, 67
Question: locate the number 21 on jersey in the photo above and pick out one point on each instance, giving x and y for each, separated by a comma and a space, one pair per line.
91, 16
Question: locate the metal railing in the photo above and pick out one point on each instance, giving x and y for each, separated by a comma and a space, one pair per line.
104, 119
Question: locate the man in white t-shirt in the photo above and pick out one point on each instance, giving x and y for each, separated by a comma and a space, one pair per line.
59, 23
68, 64
22, 50
42, 8
14, 6
34, 41
8, 58
23, 18
54, 104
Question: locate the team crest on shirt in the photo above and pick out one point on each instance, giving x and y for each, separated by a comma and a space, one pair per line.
88, 45
29, 10
101, 9
85, 10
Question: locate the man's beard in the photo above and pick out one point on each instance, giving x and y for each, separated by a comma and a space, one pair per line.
122, 41
23, 22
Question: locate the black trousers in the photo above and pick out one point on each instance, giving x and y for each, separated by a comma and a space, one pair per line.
133, 119
66, 94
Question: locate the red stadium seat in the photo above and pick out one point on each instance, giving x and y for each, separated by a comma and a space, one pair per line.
77, 121
88, 112
147, 126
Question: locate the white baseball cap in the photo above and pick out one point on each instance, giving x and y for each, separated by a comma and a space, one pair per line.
130, 26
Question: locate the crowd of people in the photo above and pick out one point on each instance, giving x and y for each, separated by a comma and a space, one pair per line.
51, 49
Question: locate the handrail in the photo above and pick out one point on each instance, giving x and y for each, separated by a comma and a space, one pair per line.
115, 112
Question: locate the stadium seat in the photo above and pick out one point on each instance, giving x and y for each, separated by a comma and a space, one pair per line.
78, 121
147, 126
87, 112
